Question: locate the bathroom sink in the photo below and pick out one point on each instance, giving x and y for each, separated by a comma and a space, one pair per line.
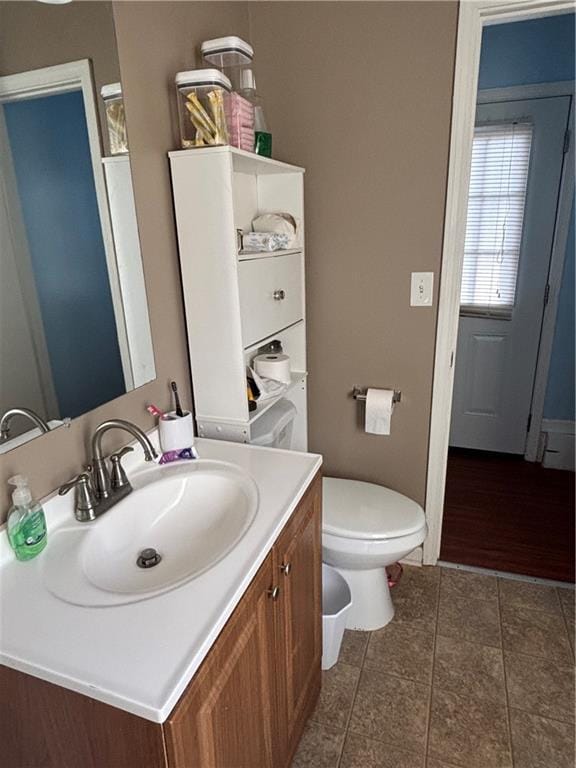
178, 522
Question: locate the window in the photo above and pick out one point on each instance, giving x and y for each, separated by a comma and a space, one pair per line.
496, 202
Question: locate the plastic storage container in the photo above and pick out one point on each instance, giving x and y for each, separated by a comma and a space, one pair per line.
336, 602
230, 54
274, 428
201, 113
115, 118
262, 135
240, 121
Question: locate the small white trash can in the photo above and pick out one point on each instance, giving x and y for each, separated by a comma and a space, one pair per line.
336, 602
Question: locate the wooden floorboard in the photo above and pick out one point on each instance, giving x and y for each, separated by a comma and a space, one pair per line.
507, 514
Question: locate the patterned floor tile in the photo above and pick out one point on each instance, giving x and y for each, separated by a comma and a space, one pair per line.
540, 686
469, 669
401, 650
391, 710
336, 697
535, 633
466, 584
320, 747
360, 752
523, 594
541, 743
476, 621
471, 733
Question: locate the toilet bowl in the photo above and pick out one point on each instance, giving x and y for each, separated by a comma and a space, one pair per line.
366, 527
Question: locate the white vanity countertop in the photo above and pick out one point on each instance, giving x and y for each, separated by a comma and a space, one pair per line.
140, 657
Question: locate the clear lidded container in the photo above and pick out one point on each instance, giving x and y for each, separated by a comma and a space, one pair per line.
230, 54
201, 112
115, 118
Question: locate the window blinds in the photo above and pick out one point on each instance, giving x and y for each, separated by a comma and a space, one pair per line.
496, 202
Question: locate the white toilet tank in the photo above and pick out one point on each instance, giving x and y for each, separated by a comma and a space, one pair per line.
274, 428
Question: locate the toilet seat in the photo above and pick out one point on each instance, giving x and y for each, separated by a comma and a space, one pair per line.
356, 510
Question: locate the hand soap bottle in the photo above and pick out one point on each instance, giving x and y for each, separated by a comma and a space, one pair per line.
26, 521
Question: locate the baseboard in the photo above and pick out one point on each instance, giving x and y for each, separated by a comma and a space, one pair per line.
414, 558
559, 444
562, 426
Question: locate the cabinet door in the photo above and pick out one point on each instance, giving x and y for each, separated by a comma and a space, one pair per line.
226, 718
298, 565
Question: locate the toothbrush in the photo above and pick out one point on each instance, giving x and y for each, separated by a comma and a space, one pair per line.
179, 411
155, 411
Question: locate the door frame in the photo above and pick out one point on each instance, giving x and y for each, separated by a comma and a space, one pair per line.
64, 78
473, 16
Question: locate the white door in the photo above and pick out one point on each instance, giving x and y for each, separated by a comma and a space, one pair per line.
499, 329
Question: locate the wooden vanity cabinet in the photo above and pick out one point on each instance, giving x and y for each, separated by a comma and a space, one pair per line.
298, 564
246, 707
225, 717
249, 702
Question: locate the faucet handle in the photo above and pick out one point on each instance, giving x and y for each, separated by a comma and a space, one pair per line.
119, 478
82, 479
86, 502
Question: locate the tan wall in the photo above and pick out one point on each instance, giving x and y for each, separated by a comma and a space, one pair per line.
360, 94
35, 35
155, 40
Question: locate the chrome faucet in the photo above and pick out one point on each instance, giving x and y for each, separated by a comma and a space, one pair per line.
28, 413
102, 484
98, 492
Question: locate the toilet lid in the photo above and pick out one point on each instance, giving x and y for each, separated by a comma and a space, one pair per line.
357, 510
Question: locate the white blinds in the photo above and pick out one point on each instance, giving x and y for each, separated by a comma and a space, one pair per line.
497, 196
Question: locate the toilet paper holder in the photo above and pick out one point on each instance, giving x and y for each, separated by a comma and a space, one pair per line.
360, 394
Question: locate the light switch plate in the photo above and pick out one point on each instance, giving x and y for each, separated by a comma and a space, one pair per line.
421, 289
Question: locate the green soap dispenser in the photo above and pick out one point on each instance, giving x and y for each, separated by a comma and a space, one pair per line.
26, 521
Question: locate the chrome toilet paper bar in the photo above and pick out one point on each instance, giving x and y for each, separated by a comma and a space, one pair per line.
360, 394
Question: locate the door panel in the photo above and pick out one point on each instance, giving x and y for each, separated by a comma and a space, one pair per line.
484, 373
299, 570
496, 358
226, 717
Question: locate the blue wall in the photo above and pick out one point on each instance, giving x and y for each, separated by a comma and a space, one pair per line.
50, 148
523, 53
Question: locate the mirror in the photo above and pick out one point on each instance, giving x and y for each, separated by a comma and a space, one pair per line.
74, 327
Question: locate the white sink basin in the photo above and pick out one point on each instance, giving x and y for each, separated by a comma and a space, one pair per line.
193, 515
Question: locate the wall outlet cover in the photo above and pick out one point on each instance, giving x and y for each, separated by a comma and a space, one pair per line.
422, 289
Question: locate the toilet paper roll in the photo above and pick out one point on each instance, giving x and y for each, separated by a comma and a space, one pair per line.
275, 367
379, 407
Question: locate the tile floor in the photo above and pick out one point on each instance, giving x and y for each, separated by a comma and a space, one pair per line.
473, 672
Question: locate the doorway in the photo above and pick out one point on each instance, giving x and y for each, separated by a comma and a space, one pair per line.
499, 297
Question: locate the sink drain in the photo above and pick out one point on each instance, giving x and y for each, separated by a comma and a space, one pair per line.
148, 558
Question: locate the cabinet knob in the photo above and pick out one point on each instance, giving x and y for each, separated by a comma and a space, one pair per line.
279, 295
273, 592
286, 568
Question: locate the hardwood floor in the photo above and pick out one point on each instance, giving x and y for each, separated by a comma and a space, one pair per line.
504, 513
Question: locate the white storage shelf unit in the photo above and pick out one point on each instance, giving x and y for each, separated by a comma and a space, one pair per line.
229, 299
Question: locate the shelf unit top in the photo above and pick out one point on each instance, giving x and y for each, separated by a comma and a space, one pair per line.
242, 161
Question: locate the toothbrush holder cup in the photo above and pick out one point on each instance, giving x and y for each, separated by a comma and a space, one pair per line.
176, 432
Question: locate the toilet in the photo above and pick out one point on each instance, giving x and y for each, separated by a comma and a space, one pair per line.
366, 527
